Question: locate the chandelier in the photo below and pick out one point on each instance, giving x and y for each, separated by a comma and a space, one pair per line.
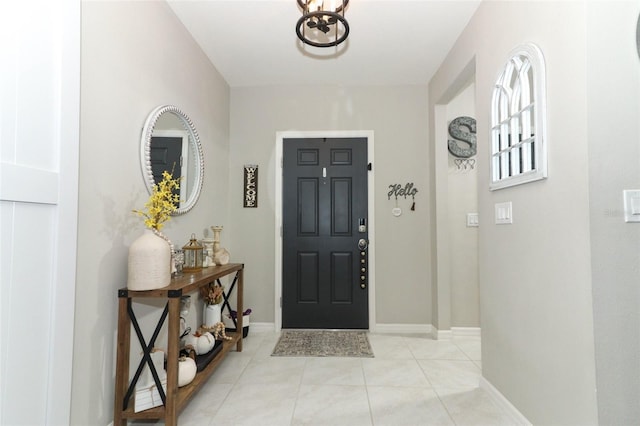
322, 23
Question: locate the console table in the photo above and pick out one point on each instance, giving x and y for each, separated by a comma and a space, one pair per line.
175, 398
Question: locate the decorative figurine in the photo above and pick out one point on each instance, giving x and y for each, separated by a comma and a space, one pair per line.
220, 255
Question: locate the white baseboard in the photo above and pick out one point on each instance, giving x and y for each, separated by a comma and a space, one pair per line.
442, 334
455, 332
404, 328
502, 402
465, 331
261, 327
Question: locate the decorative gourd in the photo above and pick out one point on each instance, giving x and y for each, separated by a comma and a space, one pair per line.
201, 343
206, 342
187, 370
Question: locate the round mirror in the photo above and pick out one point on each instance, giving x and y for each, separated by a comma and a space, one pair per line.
170, 142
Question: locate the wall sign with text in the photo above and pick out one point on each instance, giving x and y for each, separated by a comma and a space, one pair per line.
250, 185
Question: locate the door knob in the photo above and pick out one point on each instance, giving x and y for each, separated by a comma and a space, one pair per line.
362, 244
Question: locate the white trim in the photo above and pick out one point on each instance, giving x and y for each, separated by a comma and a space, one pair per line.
455, 332
280, 136
442, 334
442, 268
262, 327
50, 193
503, 403
404, 328
465, 331
265, 327
537, 62
36, 185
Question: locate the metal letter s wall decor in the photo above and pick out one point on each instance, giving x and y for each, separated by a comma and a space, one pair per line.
467, 137
250, 185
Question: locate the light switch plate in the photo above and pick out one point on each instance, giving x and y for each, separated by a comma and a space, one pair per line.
472, 220
503, 213
631, 205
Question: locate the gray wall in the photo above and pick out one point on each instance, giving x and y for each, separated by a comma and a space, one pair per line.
567, 244
398, 118
535, 275
135, 56
462, 198
613, 82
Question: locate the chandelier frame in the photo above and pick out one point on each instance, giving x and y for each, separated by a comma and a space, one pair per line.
322, 20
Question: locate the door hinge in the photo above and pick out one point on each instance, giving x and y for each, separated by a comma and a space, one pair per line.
369, 166
281, 301
280, 231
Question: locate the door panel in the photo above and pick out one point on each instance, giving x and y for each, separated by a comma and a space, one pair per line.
308, 265
165, 155
324, 198
341, 273
341, 207
308, 198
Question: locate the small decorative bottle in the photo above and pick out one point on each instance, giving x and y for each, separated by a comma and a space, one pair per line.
207, 243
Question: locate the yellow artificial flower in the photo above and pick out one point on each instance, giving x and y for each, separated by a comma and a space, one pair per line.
162, 202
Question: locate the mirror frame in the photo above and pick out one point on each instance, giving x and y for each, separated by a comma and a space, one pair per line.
194, 142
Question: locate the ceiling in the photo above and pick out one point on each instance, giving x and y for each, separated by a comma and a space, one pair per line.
253, 42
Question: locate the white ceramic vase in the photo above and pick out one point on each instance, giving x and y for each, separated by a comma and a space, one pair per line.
149, 262
212, 315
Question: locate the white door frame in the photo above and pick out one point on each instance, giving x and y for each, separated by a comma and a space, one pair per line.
280, 136
39, 204
442, 301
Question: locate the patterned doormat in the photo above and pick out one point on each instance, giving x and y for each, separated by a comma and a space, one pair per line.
325, 343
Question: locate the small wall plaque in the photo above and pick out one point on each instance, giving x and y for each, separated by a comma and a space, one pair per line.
250, 185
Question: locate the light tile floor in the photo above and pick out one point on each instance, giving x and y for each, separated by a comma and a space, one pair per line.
413, 380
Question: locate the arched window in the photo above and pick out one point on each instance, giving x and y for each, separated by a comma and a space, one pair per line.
518, 120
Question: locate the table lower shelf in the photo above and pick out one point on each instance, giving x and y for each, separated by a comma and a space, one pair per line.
185, 393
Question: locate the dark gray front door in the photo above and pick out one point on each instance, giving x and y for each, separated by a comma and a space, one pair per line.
325, 273
166, 155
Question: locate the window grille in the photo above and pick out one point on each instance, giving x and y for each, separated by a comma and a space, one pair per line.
518, 120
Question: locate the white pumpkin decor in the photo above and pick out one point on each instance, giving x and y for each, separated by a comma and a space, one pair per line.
187, 370
202, 344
